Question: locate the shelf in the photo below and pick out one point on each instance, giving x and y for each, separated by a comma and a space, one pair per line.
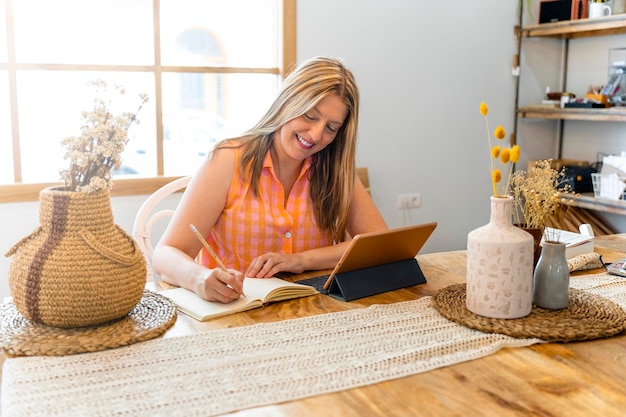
568, 29
587, 201
611, 114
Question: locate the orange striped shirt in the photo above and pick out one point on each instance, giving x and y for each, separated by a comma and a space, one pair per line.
250, 226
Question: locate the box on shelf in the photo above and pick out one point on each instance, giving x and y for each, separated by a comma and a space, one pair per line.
610, 186
558, 164
598, 98
574, 175
560, 10
555, 10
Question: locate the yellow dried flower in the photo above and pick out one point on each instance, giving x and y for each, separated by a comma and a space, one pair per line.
499, 154
505, 155
499, 133
515, 153
484, 109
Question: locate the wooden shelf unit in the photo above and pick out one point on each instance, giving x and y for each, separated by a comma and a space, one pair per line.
589, 202
583, 208
567, 30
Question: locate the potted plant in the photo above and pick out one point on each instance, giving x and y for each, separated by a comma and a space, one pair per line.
538, 200
499, 255
538, 196
78, 268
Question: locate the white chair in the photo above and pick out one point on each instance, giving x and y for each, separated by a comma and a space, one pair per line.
149, 214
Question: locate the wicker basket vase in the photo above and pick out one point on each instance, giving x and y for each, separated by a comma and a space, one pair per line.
77, 268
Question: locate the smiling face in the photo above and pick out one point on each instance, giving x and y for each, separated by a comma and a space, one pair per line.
308, 134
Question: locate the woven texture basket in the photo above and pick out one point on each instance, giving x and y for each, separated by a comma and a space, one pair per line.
77, 268
588, 316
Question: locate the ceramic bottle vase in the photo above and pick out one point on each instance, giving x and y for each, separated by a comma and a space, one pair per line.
551, 277
500, 266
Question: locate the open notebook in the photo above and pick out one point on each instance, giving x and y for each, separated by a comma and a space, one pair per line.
258, 291
376, 262
373, 263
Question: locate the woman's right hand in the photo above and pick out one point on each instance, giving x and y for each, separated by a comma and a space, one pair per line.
220, 285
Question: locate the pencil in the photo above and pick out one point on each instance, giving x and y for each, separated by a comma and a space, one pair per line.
207, 247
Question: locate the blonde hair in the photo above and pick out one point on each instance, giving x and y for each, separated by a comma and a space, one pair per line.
333, 171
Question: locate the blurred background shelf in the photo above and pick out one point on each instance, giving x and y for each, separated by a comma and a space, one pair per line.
581, 28
611, 114
581, 210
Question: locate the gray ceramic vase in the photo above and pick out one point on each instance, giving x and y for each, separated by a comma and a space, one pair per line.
551, 278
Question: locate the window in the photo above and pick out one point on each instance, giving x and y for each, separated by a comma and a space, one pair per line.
210, 68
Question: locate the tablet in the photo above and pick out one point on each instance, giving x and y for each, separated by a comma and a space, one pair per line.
377, 248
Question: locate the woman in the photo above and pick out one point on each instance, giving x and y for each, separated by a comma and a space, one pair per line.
283, 197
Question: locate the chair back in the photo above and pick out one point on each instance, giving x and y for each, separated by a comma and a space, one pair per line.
149, 214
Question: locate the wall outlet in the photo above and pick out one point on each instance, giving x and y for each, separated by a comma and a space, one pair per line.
407, 201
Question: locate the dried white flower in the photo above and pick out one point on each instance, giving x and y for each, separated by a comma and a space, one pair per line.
97, 151
539, 196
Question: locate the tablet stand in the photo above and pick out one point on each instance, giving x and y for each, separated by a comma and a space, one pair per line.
348, 286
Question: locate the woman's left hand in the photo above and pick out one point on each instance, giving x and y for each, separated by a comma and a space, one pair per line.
271, 263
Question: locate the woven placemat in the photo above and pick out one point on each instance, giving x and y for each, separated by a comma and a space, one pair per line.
588, 316
150, 318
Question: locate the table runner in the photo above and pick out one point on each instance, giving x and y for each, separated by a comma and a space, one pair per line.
226, 370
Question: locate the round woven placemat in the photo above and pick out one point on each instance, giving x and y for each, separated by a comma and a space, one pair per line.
150, 318
587, 317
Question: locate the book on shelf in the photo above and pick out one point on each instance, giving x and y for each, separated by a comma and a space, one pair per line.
258, 291
575, 243
551, 103
545, 104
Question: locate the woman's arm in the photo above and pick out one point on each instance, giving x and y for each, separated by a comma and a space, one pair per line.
201, 205
363, 217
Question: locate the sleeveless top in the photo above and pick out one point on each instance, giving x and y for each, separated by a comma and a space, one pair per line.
250, 226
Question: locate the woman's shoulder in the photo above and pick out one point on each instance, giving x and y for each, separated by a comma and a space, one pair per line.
231, 146
222, 155
233, 143
227, 153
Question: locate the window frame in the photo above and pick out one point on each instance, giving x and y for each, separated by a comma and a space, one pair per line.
22, 192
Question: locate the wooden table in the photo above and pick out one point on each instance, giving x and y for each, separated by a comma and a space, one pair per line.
552, 379
573, 379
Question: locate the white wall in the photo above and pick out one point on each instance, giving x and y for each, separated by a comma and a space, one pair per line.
422, 72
